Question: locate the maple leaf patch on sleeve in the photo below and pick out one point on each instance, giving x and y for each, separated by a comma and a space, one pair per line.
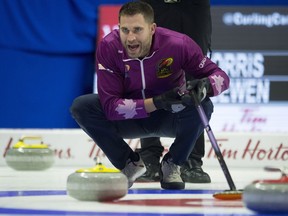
127, 109
218, 82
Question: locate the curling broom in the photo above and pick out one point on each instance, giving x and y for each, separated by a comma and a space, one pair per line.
233, 193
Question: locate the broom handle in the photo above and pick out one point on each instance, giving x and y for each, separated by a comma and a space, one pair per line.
213, 141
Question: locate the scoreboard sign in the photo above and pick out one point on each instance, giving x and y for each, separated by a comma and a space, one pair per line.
250, 28
251, 45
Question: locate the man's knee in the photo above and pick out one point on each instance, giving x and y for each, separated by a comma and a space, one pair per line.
76, 107
82, 104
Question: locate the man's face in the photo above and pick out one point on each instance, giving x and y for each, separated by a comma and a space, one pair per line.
136, 35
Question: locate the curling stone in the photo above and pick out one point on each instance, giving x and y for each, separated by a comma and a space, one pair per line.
98, 183
23, 156
267, 196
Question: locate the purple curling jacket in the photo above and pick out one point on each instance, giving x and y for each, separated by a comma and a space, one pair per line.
123, 83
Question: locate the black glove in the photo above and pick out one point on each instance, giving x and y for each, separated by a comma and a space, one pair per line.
170, 101
200, 87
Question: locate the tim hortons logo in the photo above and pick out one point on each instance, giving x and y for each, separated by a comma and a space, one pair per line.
253, 151
97, 152
248, 118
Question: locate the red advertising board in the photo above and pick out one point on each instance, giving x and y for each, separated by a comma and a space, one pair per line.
108, 19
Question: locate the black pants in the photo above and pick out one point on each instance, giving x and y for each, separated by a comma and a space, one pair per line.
152, 149
185, 126
193, 18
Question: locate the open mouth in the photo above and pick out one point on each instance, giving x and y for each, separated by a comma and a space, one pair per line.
133, 48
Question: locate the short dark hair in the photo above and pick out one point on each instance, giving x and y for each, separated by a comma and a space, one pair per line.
137, 7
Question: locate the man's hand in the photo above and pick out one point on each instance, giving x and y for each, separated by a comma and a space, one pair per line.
170, 101
201, 88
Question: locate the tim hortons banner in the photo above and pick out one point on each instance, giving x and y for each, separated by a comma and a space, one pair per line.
72, 147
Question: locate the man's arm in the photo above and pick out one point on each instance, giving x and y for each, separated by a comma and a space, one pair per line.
199, 66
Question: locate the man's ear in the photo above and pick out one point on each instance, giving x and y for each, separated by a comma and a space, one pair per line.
153, 28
